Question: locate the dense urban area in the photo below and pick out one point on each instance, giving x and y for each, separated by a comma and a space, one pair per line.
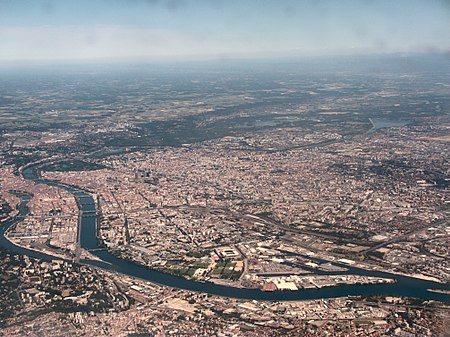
301, 179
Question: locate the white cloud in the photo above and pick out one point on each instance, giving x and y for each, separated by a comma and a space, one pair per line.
79, 42
103, 41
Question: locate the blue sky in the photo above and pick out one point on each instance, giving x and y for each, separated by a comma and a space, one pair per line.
159, 29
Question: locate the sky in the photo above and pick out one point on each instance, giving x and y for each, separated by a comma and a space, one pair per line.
35, 30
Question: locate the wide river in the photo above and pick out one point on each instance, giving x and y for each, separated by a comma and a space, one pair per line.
404, 286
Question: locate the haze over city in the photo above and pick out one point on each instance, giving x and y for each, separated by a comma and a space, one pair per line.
166, 29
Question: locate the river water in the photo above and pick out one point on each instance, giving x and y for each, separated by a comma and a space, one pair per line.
405, 286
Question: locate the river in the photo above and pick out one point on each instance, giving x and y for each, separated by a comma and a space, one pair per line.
404, 286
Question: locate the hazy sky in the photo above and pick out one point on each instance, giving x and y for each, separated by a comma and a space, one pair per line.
152, 29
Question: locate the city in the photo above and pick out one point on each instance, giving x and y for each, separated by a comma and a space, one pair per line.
279, 200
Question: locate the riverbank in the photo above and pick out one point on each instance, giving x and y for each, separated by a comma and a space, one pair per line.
404, 286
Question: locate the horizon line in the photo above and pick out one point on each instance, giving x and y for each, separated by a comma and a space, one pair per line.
219, 57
